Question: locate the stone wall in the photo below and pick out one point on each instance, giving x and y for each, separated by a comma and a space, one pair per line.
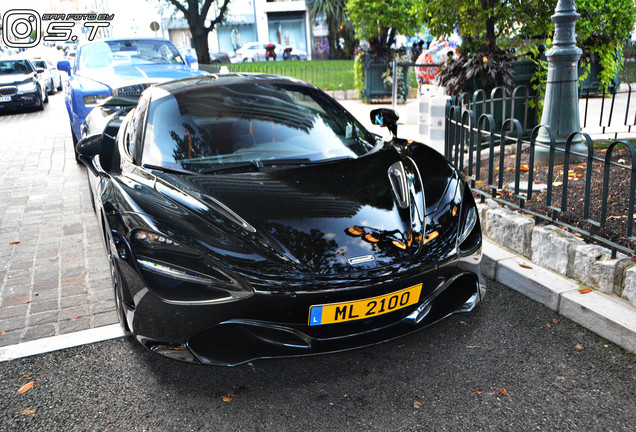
560, 251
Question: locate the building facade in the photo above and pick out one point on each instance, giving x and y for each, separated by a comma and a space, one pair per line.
285, 22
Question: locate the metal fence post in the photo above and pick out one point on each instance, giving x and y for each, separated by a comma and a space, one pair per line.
394, 86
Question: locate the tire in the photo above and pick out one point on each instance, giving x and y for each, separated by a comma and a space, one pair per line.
46, 96
295, 57
118, 286
51, 88
74, 139
61, 86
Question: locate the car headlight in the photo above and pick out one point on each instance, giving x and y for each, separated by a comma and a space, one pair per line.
178, 273
469, 222
27, 86
95, 100
469, 235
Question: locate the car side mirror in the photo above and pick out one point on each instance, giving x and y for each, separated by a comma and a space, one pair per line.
190, 59
90, 146
64, 65
385, 117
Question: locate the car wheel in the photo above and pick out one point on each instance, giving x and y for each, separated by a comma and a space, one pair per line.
295, 57
61, 86
245, 60
46, 96
74, 139
51, 87
118, 285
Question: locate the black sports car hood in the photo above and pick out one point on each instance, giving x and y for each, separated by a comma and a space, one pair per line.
326, 218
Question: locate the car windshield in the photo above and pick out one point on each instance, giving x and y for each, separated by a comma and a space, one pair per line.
114, 53
249, 122
14, 67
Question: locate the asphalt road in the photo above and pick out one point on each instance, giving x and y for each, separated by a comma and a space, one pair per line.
511, 364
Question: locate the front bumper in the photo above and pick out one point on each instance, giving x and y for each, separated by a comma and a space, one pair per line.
21, 100
268, 325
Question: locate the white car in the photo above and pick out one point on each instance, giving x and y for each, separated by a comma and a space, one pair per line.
53, 77
255, 51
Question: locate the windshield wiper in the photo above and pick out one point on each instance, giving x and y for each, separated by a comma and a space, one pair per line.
257, 164
168, 170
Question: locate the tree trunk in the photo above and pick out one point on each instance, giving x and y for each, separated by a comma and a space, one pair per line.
200, 41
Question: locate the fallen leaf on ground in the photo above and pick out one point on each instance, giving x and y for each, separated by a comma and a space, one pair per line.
621, 161
477, 392
29, 411
525, 266
473, 346
556, 320
502, 392
14, 243
579, 167
557, 184
26, 376
579, 175
548, 325
585, 290
524, 168
579, 347
479, 182
561, 378
3, 333
417, 405
228, 397
25, 388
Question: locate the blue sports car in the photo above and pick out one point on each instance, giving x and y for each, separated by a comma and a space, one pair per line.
118, 67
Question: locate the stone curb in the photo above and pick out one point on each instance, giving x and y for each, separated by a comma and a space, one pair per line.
609, 316
559, 251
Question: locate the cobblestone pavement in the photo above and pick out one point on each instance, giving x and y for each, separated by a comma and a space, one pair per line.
54, 274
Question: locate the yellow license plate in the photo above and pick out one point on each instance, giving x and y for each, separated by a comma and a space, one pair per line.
366, 308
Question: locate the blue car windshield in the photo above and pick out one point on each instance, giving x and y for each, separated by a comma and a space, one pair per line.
209, 126
124, 52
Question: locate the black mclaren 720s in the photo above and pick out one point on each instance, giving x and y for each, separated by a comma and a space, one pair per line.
252, 216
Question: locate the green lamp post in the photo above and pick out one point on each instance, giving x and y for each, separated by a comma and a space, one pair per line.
561, 106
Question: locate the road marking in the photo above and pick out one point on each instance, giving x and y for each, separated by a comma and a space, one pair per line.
55, 343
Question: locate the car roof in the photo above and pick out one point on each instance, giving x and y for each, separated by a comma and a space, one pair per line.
126, 39
194, 84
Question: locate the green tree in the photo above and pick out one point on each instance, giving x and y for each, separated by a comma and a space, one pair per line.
379, 22
196, 13
601, 30
488, 20
338, 24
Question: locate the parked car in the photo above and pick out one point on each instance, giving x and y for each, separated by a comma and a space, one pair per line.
219, 57
118, 67
53, 78
215, 57
22, 85
257, 51
252, 216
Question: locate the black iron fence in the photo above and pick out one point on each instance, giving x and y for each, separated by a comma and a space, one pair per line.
590, 192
